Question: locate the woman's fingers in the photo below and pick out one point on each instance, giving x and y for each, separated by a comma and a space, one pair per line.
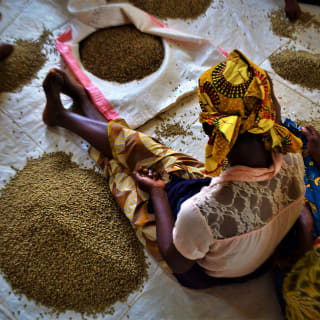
156, 175
309, 131
137, 175
143, 171
306, 131
150, 173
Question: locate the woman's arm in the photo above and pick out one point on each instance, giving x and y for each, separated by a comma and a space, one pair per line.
164, 225
164, 222
313, 143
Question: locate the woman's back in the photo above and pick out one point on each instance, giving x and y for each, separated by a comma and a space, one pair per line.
236, 207
236, 225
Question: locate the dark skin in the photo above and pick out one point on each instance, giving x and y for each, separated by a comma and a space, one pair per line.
93, 127
306, 224
313, 139
305, 231
292, 10
151, 183
5, 48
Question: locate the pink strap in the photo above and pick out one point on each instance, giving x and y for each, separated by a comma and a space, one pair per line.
96, 95
248, 174
160, 24
225, 53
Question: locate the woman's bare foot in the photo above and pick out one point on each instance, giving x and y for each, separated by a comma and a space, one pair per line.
313, 140
82, 102
71, 87
5, 50
52, 86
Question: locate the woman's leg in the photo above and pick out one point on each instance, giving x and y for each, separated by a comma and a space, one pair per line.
80, 98
94, 128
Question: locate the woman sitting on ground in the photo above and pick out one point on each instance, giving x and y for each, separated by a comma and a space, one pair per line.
210, 226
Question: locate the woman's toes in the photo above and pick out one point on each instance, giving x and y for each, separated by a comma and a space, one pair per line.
53, 82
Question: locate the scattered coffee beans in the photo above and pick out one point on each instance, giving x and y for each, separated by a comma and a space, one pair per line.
282, 27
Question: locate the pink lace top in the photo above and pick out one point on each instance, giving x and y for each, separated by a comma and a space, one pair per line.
232, 226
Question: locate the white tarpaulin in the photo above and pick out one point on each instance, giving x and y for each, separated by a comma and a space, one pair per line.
229, 24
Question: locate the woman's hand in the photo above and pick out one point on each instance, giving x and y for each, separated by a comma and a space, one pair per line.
292, 9
149, 180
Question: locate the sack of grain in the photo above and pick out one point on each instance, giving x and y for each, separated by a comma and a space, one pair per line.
186, 57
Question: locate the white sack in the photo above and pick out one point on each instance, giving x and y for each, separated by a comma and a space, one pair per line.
186, 58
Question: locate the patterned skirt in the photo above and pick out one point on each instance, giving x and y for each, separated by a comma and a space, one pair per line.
132, 149
301, 287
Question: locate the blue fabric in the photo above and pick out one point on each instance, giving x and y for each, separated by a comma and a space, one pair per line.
311, 177
179, 190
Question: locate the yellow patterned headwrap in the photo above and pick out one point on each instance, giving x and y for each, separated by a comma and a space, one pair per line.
235, 97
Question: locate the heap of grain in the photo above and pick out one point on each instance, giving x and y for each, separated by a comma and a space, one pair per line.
64, 242
282, 27
300, 67
183, 9
24, 63
121, 54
